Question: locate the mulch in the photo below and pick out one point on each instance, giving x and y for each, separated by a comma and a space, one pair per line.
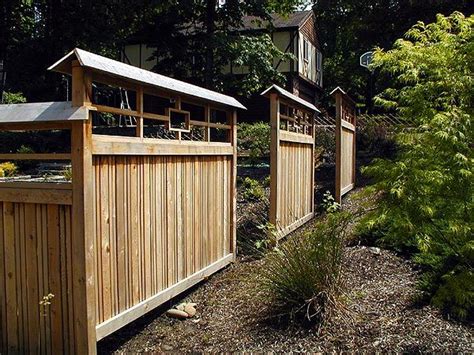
233, 315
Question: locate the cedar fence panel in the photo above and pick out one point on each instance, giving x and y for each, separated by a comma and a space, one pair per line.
291, 161
143, 219
346, 122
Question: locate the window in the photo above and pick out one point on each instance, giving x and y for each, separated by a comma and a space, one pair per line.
319, 68
305, 50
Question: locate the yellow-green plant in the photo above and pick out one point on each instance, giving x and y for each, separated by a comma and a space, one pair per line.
8, 169
427, 191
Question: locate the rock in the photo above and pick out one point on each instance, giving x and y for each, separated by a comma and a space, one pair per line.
181, 306
176, 313
165, 347
375, 250
190, 310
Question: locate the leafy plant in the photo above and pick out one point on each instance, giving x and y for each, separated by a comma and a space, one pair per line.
8, 169
329, 204
252, 190
270, 233
67, 173
303, 276
426, 191
254, 138
13, 98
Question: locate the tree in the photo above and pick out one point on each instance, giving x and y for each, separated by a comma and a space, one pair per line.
427, 201
348, 28
200, 39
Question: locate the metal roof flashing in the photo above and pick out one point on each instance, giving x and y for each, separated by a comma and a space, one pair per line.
129, 72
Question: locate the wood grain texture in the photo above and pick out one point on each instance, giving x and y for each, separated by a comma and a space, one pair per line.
158, 221
35, 260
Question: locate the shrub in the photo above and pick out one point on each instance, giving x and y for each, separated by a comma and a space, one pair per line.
427, 190
13, 98
8, 169
252, 190
254, 138
303, 276
329, 204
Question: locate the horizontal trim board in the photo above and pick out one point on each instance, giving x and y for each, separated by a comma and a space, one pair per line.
296, 137
43, 196
36, 185
108, 145
287, 230
20, 156
347, 125
135, 312
347, 189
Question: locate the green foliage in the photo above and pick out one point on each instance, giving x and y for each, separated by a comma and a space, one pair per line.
67, 173
303, 276
427, 190
254, 138
329, 204
13, 98
8, 169
256, 54
326, 144
252, 190
362, 25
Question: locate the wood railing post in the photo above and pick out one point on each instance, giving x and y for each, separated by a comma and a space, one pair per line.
82, 219
274, 158
233, 187
338, 96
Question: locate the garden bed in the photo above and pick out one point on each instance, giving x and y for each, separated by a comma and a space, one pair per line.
233, 315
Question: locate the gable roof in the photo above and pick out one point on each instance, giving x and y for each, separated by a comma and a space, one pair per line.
42, 112
290, 96
141, 76
293, 20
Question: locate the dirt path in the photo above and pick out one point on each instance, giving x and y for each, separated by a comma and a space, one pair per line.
380, 288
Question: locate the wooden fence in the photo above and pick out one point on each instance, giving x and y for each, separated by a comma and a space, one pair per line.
142, 220
291, 160
345, 143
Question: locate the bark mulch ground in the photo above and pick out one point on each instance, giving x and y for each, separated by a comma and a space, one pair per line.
233, 315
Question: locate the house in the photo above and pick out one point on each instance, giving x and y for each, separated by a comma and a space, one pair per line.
295, 33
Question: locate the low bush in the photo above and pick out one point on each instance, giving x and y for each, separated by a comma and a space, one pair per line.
8, 169
303, 276
252, 190
254, 139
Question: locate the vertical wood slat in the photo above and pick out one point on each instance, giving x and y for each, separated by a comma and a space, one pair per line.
171, 228
35, 261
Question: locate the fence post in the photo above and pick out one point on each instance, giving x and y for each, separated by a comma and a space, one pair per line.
82, 217
338, 97
274, 158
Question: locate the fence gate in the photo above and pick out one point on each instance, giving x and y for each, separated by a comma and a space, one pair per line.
291, 160
345, 143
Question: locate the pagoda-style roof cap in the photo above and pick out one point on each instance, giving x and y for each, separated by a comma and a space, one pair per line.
140, 76
288, 95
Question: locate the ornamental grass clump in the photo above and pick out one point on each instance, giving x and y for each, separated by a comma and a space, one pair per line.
303, 276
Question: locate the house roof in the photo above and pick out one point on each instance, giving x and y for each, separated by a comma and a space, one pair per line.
42, 112
141, 76
292, 20
288, 95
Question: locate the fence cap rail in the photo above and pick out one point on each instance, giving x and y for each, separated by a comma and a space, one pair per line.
140, 76
288, 95
42, 112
